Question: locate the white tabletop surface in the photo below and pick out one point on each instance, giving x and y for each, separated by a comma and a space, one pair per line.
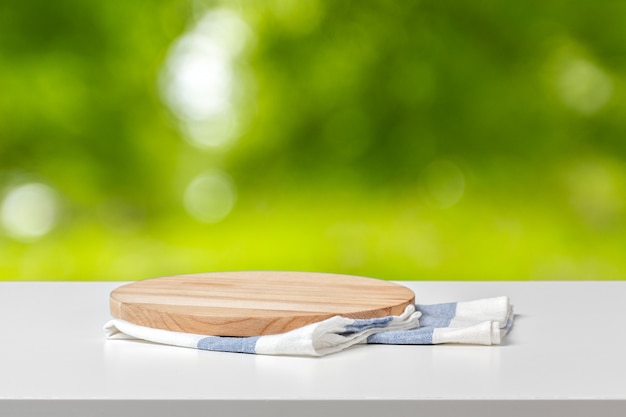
567, 345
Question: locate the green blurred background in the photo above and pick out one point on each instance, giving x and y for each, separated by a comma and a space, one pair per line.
399, 140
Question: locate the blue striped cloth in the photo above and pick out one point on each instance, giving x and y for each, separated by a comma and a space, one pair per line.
479, 322
483, 322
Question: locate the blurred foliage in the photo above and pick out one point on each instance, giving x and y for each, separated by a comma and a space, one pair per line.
399, 140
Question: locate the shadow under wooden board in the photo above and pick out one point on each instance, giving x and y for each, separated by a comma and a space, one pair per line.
254, 303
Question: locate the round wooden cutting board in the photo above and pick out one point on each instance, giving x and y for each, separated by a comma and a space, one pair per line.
254, 303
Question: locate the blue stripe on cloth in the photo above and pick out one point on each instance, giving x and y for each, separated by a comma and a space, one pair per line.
229, 344
508, 325
436, 315
364, 324
419, 336
433, 316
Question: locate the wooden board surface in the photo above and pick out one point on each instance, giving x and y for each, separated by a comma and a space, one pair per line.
254, 303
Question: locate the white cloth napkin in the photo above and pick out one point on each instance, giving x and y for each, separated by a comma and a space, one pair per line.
476, 322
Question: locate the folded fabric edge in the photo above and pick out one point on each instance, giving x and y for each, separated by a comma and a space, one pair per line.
333, 335
118, 329
338, 333
486, 309
483, 322
317, 339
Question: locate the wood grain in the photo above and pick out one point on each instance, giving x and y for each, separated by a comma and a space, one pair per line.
254, 303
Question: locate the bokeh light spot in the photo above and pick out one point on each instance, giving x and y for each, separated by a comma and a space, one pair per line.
445, 183
596, 191
584, 87
200, 78
210, 197
29, 211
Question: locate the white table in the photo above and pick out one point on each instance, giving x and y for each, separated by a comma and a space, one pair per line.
564, 356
